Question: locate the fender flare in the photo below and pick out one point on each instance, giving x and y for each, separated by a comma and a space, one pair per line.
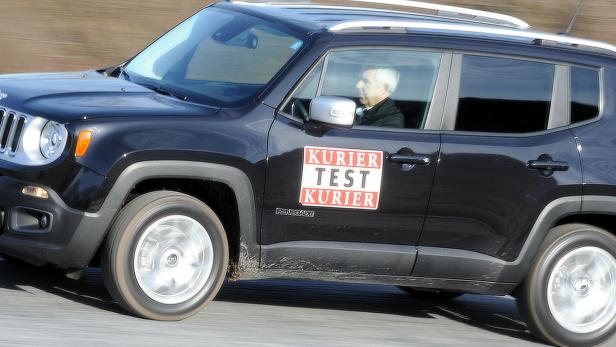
233, 177
468, 265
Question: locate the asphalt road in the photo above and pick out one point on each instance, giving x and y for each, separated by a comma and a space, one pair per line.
42, 307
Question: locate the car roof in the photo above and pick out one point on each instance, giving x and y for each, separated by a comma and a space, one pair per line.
315, 18
320, 17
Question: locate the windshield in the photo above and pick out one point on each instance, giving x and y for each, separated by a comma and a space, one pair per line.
216, 56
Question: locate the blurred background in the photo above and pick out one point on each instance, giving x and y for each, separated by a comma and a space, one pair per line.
65, 35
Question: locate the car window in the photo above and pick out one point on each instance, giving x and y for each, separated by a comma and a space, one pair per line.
256, 54
503, 95
299, 103
391, 88
216, 57
584, 94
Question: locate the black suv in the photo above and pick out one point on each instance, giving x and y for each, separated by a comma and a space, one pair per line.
442, 154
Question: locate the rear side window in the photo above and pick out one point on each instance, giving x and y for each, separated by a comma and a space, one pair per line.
584, 94
503, 95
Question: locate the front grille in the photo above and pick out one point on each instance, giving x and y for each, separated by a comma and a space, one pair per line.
11, 129
14, 143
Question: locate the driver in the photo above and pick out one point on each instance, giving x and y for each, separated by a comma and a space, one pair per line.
375, 86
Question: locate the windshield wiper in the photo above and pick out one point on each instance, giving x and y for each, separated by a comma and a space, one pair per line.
156, 88
161, 90
124, 74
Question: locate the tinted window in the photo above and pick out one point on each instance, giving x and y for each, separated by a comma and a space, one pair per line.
390, 87
584, 94
504, 95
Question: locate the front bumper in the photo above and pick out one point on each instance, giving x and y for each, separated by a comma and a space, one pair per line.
70, 239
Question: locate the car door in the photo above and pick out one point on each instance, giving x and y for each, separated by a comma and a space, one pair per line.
354, 199
506, 153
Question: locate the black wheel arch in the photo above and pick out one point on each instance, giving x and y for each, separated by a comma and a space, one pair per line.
467, 265
235, 179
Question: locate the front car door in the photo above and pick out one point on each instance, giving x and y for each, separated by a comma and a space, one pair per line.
339, 199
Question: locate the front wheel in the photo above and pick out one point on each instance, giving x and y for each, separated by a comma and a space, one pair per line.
166, 256
569, 295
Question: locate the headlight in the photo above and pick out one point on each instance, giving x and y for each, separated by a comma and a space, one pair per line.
53, 139
38, 141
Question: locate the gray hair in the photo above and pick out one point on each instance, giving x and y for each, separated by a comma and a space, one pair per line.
386, 75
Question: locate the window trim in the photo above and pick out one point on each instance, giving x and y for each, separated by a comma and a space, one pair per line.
560, 110
561, 96
435, 114
321, 78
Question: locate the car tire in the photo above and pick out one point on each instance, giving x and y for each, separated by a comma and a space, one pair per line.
431, 294
165, 257
569, 295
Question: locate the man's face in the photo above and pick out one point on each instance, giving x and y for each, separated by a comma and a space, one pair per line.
371, 92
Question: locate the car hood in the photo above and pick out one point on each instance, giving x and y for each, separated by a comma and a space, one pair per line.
67, 96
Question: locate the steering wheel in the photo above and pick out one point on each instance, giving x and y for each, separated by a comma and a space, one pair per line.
299, 106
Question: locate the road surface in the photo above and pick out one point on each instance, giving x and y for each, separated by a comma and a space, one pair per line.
39, 306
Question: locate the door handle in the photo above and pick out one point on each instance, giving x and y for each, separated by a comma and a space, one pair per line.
415, 159
549, 165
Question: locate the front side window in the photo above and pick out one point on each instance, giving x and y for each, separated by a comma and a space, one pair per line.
502, 95
392, 88
216, 56
299, 104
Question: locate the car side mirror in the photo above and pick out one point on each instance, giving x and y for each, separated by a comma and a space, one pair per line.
333, 110
252, 41
245, 39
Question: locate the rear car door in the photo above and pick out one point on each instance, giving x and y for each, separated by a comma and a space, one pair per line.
506, 153
354, 199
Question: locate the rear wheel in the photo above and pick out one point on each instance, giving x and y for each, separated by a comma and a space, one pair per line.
569, 295
431, 294
166, 256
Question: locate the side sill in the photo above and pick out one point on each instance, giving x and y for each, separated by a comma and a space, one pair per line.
464, 286
332, 256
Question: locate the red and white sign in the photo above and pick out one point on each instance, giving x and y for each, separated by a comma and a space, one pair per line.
344, 178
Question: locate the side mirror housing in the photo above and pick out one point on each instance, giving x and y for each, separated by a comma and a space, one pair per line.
333, 110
